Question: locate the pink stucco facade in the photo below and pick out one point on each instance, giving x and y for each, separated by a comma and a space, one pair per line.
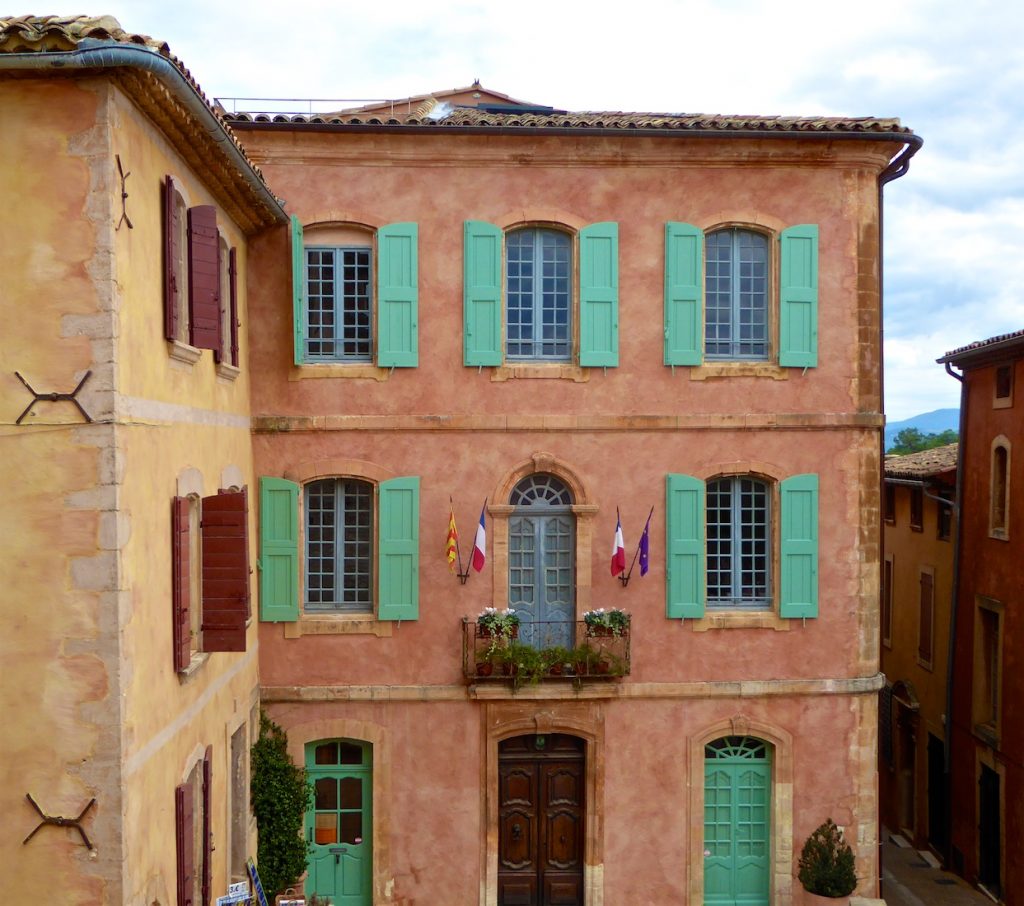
806, 687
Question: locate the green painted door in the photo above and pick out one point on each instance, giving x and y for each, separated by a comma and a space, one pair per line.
737, 822
339, 822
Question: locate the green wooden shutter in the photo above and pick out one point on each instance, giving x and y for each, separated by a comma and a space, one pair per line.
798, 297
398, 550
799, 547
397, 296
298, 290
599, 295
684, 282
481, 287
684, 539
279, 550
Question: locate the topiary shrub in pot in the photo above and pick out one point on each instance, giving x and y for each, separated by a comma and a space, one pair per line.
827, 865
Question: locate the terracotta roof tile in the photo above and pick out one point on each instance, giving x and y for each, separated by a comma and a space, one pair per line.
50, 34
979, 345
604, 120
926, 464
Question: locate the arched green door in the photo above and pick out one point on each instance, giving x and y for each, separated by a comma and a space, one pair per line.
737, 822
339, 822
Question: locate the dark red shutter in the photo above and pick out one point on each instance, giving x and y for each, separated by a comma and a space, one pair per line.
183, 835
203, 277
207, 828
172, 254
233, 309
180, 582
225, 571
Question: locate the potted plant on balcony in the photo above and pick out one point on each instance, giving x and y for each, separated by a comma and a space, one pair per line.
603, 622
827, 867
497, 624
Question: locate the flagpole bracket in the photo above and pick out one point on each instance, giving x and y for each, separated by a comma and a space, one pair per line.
624, 580
463, 577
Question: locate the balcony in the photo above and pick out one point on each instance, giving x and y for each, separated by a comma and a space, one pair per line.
556, 651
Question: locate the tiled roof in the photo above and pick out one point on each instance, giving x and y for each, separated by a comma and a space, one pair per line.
1011, 339
55, 34
926, 464
613, 121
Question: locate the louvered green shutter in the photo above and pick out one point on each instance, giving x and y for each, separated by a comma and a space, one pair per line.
799, 546
684, 246
684, 539
798, 297
279, 550
481, 337
398, 550
599, 295
397, 296
298, 290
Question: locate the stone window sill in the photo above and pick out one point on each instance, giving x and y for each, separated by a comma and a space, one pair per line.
710, 371
182, 352
228, 372
741, 619
555, 371
988, 734
199, 658
338, 624
343, 370
998, 534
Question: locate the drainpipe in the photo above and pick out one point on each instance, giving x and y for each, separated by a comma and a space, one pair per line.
94, 55
954, 598
898, 166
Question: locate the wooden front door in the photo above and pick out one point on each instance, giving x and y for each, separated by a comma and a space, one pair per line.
737, 822
989, 831
338, 823
541, 820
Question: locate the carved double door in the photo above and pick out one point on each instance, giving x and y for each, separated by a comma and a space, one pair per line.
541, 820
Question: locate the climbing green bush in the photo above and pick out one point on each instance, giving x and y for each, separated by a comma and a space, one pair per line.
827, 864
280, 797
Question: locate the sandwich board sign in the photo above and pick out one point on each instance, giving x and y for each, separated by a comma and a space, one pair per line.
257, 887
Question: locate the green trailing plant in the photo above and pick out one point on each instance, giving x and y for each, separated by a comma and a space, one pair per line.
280, 797
827, 863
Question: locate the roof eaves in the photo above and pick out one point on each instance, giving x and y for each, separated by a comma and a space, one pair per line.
983, 350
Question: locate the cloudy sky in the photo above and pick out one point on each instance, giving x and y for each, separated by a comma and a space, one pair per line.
952, 71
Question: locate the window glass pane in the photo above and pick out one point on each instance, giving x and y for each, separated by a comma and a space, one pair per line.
326, 791
351, 792
326, 753
339, 314
351, 827
326, 828
738, 542
538, 294
351, 753
736, 266
339, 545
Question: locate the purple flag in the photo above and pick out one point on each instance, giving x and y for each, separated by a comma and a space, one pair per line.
645, 548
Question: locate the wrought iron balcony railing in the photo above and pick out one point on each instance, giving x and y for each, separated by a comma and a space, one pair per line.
535, 651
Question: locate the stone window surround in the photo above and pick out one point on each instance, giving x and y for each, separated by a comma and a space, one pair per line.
1000, 532
781, 859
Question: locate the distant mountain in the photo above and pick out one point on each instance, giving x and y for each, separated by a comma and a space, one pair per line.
927, 423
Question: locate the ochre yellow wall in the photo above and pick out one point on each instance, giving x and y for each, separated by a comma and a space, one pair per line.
92, 705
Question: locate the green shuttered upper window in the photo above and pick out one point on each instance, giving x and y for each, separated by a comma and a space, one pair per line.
724, 546
521, 303
356, 300
342, 552
721, 303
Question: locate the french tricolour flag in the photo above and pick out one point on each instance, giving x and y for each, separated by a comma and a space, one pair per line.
480, 544
618, 549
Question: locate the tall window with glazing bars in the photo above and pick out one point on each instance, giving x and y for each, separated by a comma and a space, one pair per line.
538, 295
339, 325
736, 285
739, 543
339, 545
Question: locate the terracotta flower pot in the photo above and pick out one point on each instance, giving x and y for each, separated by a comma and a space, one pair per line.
599, 631
484, 668
813, 899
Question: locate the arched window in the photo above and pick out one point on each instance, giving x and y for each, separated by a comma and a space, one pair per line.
739, 542
339, 545
538, 295
1000, 493
541, 560
736, 267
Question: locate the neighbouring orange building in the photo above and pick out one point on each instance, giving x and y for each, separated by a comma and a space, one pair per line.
987, 741
917, 586
567, 315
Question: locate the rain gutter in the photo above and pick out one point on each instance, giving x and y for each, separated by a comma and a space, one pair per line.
95, 55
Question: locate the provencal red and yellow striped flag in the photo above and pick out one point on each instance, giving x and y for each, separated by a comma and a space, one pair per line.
452, 542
